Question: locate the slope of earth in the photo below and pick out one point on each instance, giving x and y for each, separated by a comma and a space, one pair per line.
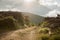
21, 34
19, 16
33, 18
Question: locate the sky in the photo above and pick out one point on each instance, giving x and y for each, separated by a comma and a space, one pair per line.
40, 7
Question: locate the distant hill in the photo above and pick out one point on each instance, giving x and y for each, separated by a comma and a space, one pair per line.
53, 23
33, 17
12, 20
19, 16
16, 15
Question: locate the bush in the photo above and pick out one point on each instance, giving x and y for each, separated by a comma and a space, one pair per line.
44, 24
44, 30
43, 37
55, 37
8, 24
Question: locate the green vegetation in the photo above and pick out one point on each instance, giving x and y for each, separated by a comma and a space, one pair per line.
49, 29
44, 24
47, 37
43, 37
44, 30
43, 34
8, 24
55, 37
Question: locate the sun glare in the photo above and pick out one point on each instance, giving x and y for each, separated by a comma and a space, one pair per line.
28, 1
27, 4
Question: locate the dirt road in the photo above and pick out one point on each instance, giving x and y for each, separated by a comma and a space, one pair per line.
21, 34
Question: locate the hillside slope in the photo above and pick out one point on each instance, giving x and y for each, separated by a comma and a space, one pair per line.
33, 18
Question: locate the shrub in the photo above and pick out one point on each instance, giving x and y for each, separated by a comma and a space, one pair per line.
8, 24
44, 30
55, 37
43, 37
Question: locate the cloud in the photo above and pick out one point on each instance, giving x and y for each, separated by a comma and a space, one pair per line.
52, 4
53, 13
41, 8
15, 1
48, 2
14, 9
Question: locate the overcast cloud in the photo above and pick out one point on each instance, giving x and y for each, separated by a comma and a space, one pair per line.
39, 7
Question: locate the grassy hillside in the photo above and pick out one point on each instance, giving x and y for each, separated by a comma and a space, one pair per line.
50, 29
8, 24
16, 15
33, 18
